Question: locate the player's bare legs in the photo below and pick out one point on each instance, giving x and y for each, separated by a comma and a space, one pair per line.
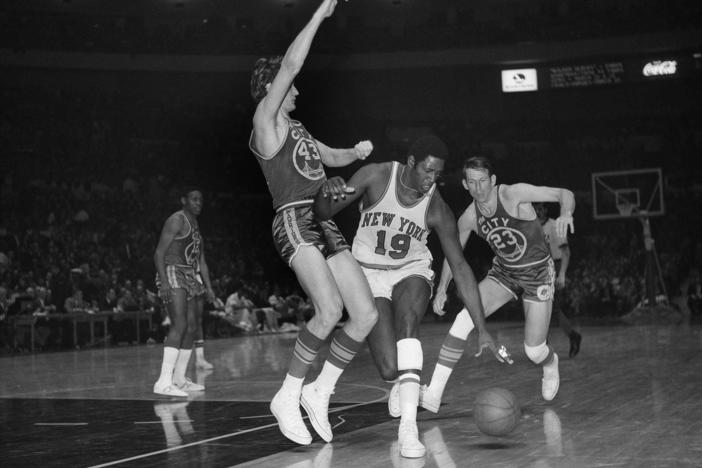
397, 351
318, 283
356, 296
199, 338
186, 350
537, 318
493, 296
177, 306
317, 279
410, 299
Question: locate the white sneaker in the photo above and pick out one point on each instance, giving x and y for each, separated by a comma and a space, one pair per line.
168, 390
408, 438
316, 404
204, 365
285, 406
428, 400
551, 380
394, 401
190, 386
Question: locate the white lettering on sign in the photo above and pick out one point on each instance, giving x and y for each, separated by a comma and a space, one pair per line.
660, 67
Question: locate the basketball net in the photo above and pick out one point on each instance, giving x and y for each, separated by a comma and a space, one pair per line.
625, 209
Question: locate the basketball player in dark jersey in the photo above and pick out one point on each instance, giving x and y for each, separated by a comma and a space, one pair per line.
293, 164
203, 276
560, 252
400, 206
522, 267
179, 251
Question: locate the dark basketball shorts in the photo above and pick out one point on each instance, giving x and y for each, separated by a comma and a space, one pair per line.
533, 283
182, 277
297, 226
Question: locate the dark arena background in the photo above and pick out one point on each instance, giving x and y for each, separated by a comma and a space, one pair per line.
109, 108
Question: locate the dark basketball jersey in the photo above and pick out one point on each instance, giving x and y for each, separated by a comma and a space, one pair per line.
295, 172
516, 242
185, 250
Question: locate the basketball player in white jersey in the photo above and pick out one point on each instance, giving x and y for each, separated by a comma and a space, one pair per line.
400, 206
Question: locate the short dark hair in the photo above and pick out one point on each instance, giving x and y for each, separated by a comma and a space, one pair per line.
188, 189
478, 162
264, 71
428, 145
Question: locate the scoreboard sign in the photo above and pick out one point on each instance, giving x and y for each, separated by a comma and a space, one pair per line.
602, 73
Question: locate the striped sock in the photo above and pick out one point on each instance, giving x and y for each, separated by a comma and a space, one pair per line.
306, 349
451, 352
343, 348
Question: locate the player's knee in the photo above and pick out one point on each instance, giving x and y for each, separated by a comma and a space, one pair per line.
409, 354
462, 325
367, 318
388, 370
539, 354
329, 307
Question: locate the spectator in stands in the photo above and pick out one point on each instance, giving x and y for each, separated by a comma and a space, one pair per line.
238, 311
109, 300
76, 303
302, 309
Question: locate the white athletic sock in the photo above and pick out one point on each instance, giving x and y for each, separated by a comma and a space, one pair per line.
326, 380
170, 355
439, 379
292, 384
409, 397
409, 363
199, 353
181, 365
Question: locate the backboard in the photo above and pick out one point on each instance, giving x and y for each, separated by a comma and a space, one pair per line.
634, 193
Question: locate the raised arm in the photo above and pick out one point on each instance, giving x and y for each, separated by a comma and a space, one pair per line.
527, 193
466, 225
290, 66
442, 221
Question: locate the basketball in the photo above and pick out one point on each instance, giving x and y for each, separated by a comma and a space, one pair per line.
496, 411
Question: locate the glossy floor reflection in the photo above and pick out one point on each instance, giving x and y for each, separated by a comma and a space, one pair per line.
632, 397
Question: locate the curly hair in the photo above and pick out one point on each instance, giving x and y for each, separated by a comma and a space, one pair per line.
428, 145
264, 71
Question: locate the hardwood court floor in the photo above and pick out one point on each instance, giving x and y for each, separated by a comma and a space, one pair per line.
632, 397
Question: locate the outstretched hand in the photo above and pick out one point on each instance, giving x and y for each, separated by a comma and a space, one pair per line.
363, 149
485, 341
336, 187
563, 224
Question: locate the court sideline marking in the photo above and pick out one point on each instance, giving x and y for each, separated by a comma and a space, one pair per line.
234, 434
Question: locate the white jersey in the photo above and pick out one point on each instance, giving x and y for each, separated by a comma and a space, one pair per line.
391, 235
553, 240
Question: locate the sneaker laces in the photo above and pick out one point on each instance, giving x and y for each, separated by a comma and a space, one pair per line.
324, 395
409, 428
